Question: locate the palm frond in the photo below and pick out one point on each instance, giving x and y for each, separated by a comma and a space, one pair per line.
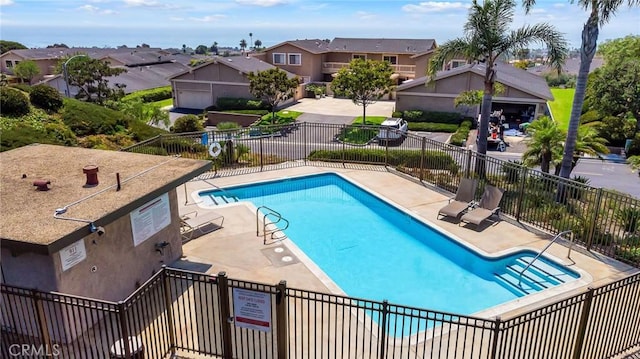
446, 52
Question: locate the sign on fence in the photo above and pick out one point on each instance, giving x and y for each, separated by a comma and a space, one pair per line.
252, 309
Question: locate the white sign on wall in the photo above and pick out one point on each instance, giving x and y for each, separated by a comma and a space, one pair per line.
73, 254
150, 218
252, 309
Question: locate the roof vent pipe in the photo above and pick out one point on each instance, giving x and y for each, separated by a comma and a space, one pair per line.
92, 175
42, 185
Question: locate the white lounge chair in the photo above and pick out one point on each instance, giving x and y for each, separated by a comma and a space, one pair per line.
201, 222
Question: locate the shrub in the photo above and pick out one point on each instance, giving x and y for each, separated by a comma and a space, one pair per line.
229, 103
182, 145
86, 119
397, 114
629, 218
140, 131
22, 87
61, 133
590, 116
228, 126
562, 80
512, 171
634, 148
576, 191
432, 127
46, 98
150, 95
413, 115
433, 116
13, 102
188, 123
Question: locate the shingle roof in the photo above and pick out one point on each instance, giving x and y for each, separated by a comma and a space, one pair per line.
571, 66
505, 74
58, 52
314, 46
241, 63
147, 77
391, 46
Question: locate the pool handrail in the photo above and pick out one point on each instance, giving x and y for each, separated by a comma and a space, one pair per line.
559, 235
271, 212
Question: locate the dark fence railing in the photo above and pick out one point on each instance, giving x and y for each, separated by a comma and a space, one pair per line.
181, 312
603, 221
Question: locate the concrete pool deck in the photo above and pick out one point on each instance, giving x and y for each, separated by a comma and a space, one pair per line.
236, 250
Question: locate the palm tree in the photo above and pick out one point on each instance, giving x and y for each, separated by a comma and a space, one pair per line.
243, 45
600, 13
587, 143
487, 37
544, 144
250, 38
258, 44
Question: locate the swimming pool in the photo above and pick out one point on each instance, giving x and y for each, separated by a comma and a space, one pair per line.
374, 250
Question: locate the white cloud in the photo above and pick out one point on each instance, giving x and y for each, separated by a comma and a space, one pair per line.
262, 3
363, 15
6, 2
96, 10
149, 3
313, 7
209, 18
434, 6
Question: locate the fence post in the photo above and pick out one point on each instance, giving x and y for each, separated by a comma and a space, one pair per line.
42, 319
468, 164
304, 142
596, 213
225, 315
494, 340
169, 308
383, 328
422, 154
582, 326
281, 319
261, 151
523, 181
124, 329
343, 131
386, 153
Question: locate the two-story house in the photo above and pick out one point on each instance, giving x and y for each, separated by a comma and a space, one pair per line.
318, 60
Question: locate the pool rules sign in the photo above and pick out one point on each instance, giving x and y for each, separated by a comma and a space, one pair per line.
252, 309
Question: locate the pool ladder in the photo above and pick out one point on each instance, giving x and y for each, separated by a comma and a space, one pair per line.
270, 219
559, 235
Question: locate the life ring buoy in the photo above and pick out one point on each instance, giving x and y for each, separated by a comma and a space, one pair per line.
215, 149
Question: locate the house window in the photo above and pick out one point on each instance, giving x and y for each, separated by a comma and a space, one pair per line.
393, 60
456, 63
360, 56
9, 63
279, 59
295, 59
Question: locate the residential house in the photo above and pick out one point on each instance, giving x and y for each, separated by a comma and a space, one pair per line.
201, 86
525, 95
318, 60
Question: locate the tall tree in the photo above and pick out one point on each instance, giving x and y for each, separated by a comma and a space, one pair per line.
257, 44
201, 50
600, 12
91, 77
184, 48
214, 48
272, 86
487, 38
27, 70
243, 45
364, 82
250, 38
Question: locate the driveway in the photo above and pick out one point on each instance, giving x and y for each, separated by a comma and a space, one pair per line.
341, 107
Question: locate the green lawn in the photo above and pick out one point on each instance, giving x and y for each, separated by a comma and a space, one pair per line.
163, 103
283, 114
561, 106
371, 120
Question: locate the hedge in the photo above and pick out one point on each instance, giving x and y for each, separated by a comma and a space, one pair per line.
150, 95
232, 103
461, 134
140, 131
433, 159
46, 98
432, 116
433, 127
13, 102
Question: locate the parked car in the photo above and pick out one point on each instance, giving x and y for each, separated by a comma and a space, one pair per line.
392, 129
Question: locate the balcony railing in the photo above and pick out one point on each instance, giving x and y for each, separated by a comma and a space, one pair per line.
333, 67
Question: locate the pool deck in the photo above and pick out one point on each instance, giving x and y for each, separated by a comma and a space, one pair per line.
236, 250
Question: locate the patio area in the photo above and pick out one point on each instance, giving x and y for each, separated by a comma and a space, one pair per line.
236, 250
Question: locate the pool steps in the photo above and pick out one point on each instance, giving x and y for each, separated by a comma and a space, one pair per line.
222, 199
537, 277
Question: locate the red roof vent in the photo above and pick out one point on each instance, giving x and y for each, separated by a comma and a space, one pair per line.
92, 175
42, 185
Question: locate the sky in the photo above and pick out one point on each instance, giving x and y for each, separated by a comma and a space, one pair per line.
165, 23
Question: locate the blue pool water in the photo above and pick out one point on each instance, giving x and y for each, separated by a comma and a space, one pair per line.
373, 250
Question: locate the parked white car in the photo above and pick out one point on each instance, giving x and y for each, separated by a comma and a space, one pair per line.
392, 129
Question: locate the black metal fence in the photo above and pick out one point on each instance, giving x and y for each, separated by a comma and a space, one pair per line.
601, 220
179, 312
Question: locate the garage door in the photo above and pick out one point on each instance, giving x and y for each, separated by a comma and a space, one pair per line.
194, 99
